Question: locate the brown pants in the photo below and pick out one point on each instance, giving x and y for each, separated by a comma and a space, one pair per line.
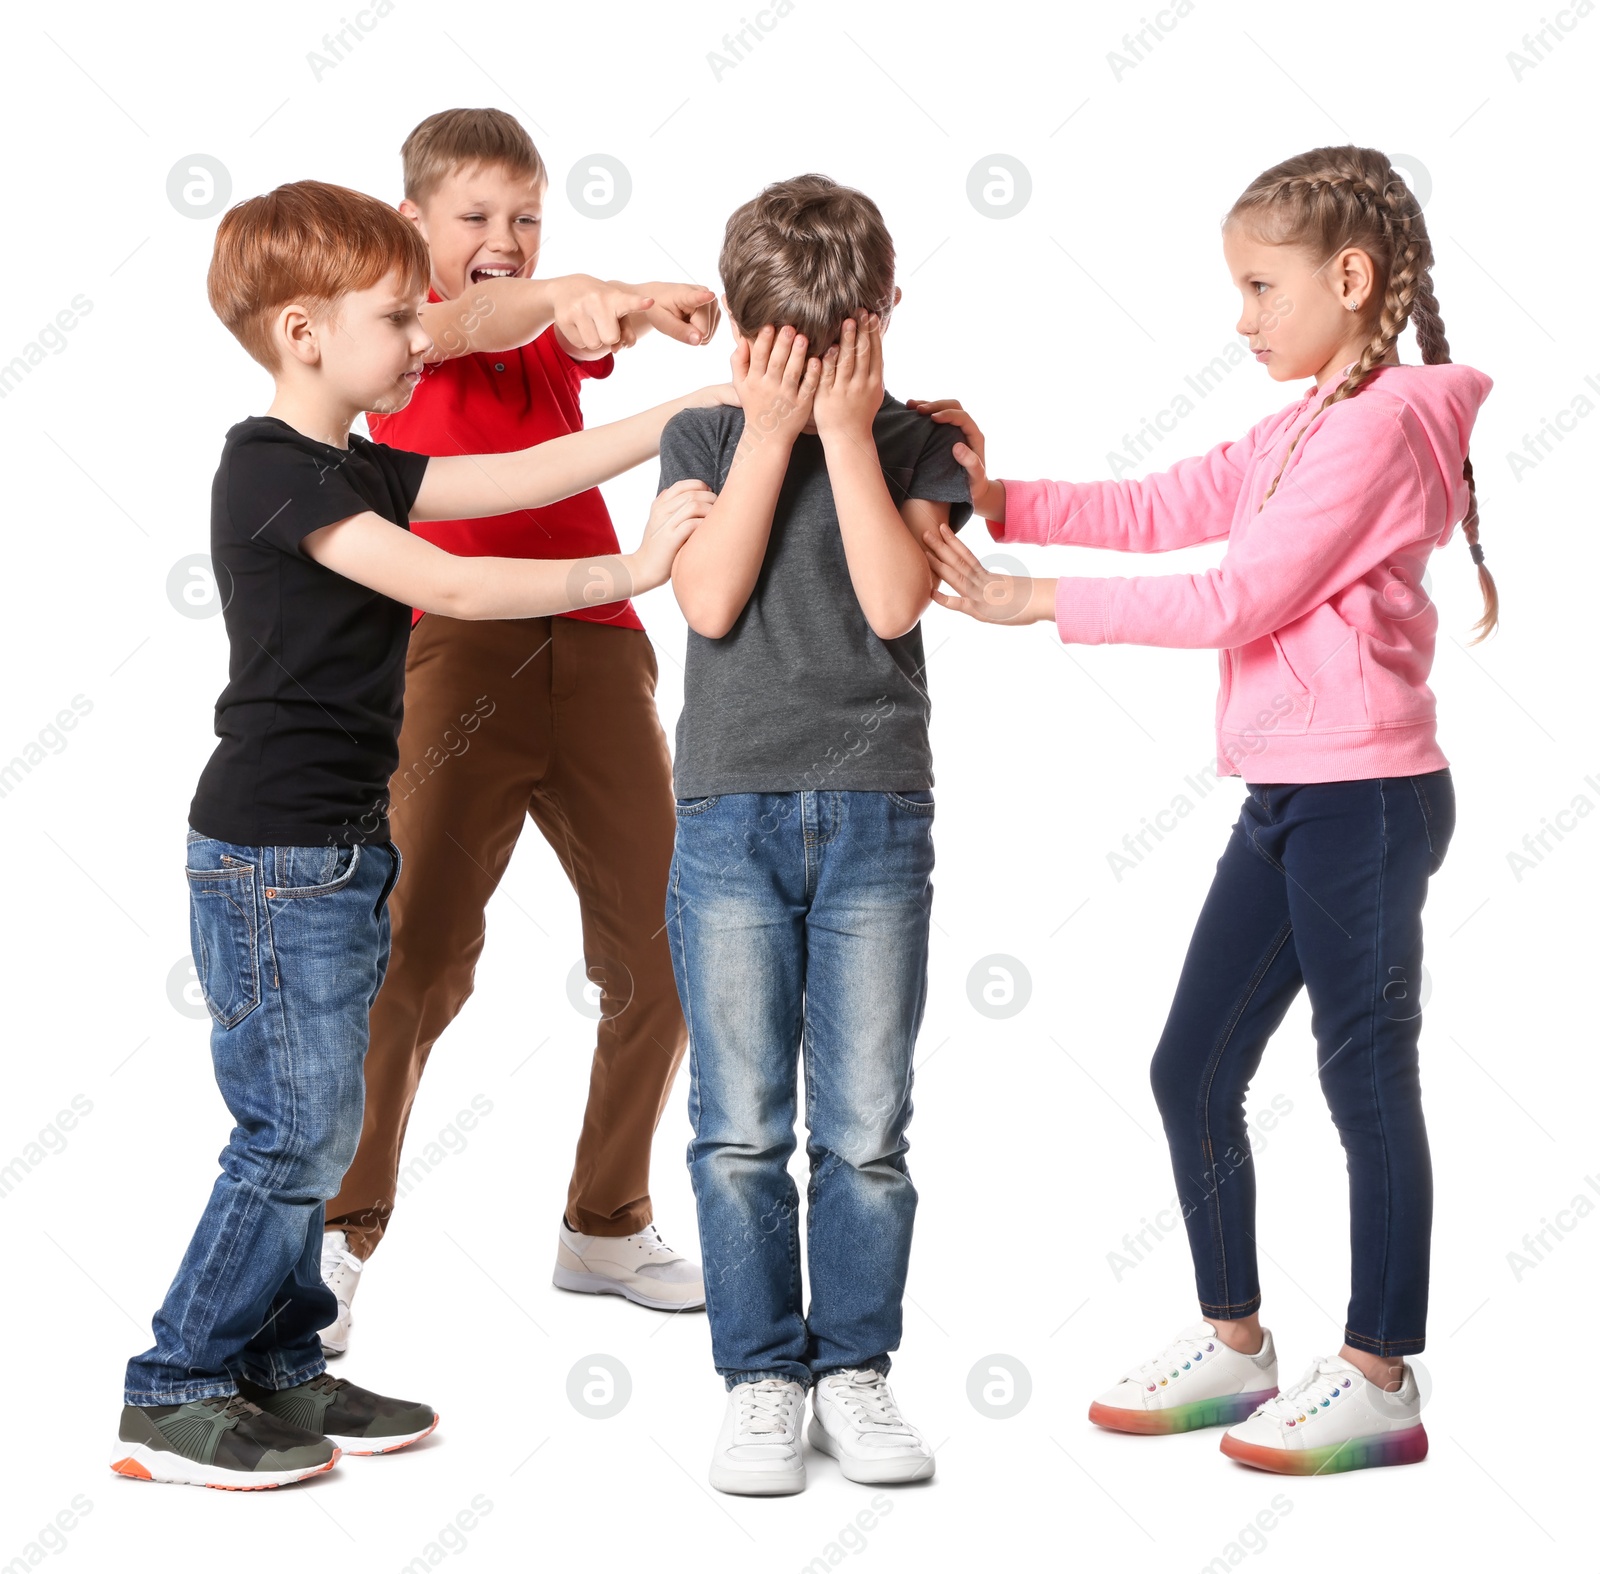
553, 718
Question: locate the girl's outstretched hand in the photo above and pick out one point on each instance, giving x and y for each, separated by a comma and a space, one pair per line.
988, 497
986, 596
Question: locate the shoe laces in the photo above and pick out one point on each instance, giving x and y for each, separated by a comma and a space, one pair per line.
1181, 1356
232, 1407
650, 1243
864, 1394
1324, 1381
327, 1383
766, 1407
340, 1257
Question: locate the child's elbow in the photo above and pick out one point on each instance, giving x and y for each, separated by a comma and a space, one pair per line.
894, 620
706, 615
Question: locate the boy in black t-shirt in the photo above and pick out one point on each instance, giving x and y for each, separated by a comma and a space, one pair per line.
289, 860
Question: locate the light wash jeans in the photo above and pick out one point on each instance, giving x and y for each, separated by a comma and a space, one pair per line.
799, 930
290, 944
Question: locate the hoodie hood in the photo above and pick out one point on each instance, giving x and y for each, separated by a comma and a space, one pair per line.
1445, 399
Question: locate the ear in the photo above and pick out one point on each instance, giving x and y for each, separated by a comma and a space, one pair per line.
409, 210
899, 295
1354, 277
295, 335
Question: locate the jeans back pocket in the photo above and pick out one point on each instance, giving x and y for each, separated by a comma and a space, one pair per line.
225, 936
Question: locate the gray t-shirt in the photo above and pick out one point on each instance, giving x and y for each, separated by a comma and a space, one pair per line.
800, 694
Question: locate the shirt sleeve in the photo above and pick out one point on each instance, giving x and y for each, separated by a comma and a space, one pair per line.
405, 471
938, 476
1330, 523
686, 451
1192, 502
280, 491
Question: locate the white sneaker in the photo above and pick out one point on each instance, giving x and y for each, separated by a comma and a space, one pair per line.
856, 1420
341, 1272
642, 1267
1333, 1419
1196, 1381
758, 1449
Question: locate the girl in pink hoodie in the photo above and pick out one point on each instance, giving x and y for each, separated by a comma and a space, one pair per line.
1325, 634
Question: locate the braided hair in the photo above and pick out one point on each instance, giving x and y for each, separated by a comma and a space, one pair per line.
1333, 198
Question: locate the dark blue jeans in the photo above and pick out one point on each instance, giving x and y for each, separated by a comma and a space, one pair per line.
799, 930
1321, 885
290, 945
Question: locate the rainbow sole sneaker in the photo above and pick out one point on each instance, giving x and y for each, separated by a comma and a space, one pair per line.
1196, 1381
1332, 1420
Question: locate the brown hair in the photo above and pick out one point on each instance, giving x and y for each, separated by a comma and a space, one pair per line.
807, 253
1332, 198
455, 138
307, 242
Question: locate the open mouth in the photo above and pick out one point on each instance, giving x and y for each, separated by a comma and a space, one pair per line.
494, 271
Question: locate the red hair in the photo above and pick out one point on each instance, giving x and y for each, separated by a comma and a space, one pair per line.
308, 242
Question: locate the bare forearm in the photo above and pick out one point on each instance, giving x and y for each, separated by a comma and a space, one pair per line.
468, 486
478, 588
887, 567
717, 569
499, 314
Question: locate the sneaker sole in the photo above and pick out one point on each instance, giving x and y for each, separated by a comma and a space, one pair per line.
1357, 1453
139, 1462
759, 1483
1224, 1410
870, 1472
363, 1446
598, 1284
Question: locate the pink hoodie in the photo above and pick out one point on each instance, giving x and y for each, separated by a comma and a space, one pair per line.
1318, 609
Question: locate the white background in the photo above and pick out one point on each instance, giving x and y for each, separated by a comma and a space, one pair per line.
1035, 1144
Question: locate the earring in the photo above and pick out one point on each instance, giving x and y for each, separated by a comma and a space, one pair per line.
1354, 306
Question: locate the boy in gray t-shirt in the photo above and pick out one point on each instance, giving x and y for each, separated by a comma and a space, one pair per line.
798, 901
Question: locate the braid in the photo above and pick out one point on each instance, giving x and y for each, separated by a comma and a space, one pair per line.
1436, 351
1335, 197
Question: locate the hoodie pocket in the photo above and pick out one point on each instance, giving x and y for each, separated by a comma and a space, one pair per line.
1292, 702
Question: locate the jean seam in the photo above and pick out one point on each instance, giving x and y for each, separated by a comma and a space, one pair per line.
329, 888
1427, 817
1372, 1055
1385, 1347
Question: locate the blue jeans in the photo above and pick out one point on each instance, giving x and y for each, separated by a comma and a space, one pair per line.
798, 923
1321, 885
290, 945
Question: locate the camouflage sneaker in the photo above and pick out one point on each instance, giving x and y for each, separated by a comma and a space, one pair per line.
355, 1419
224, 1442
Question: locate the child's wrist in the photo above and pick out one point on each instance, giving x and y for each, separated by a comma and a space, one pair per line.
1042, 601
846, 436
992, 506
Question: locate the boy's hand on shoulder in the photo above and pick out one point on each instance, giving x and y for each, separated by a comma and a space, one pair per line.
850, 389
591, 316
776, 382
988, 497
686, 312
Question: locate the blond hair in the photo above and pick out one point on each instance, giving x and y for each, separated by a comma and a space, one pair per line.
1333, 198
460, 138
807, 253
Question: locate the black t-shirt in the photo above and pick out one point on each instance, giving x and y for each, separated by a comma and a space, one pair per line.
800, 693
310, 719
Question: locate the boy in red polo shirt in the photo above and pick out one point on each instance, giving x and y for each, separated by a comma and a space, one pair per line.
552, 718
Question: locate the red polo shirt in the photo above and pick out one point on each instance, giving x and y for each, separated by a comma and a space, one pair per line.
493, 404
